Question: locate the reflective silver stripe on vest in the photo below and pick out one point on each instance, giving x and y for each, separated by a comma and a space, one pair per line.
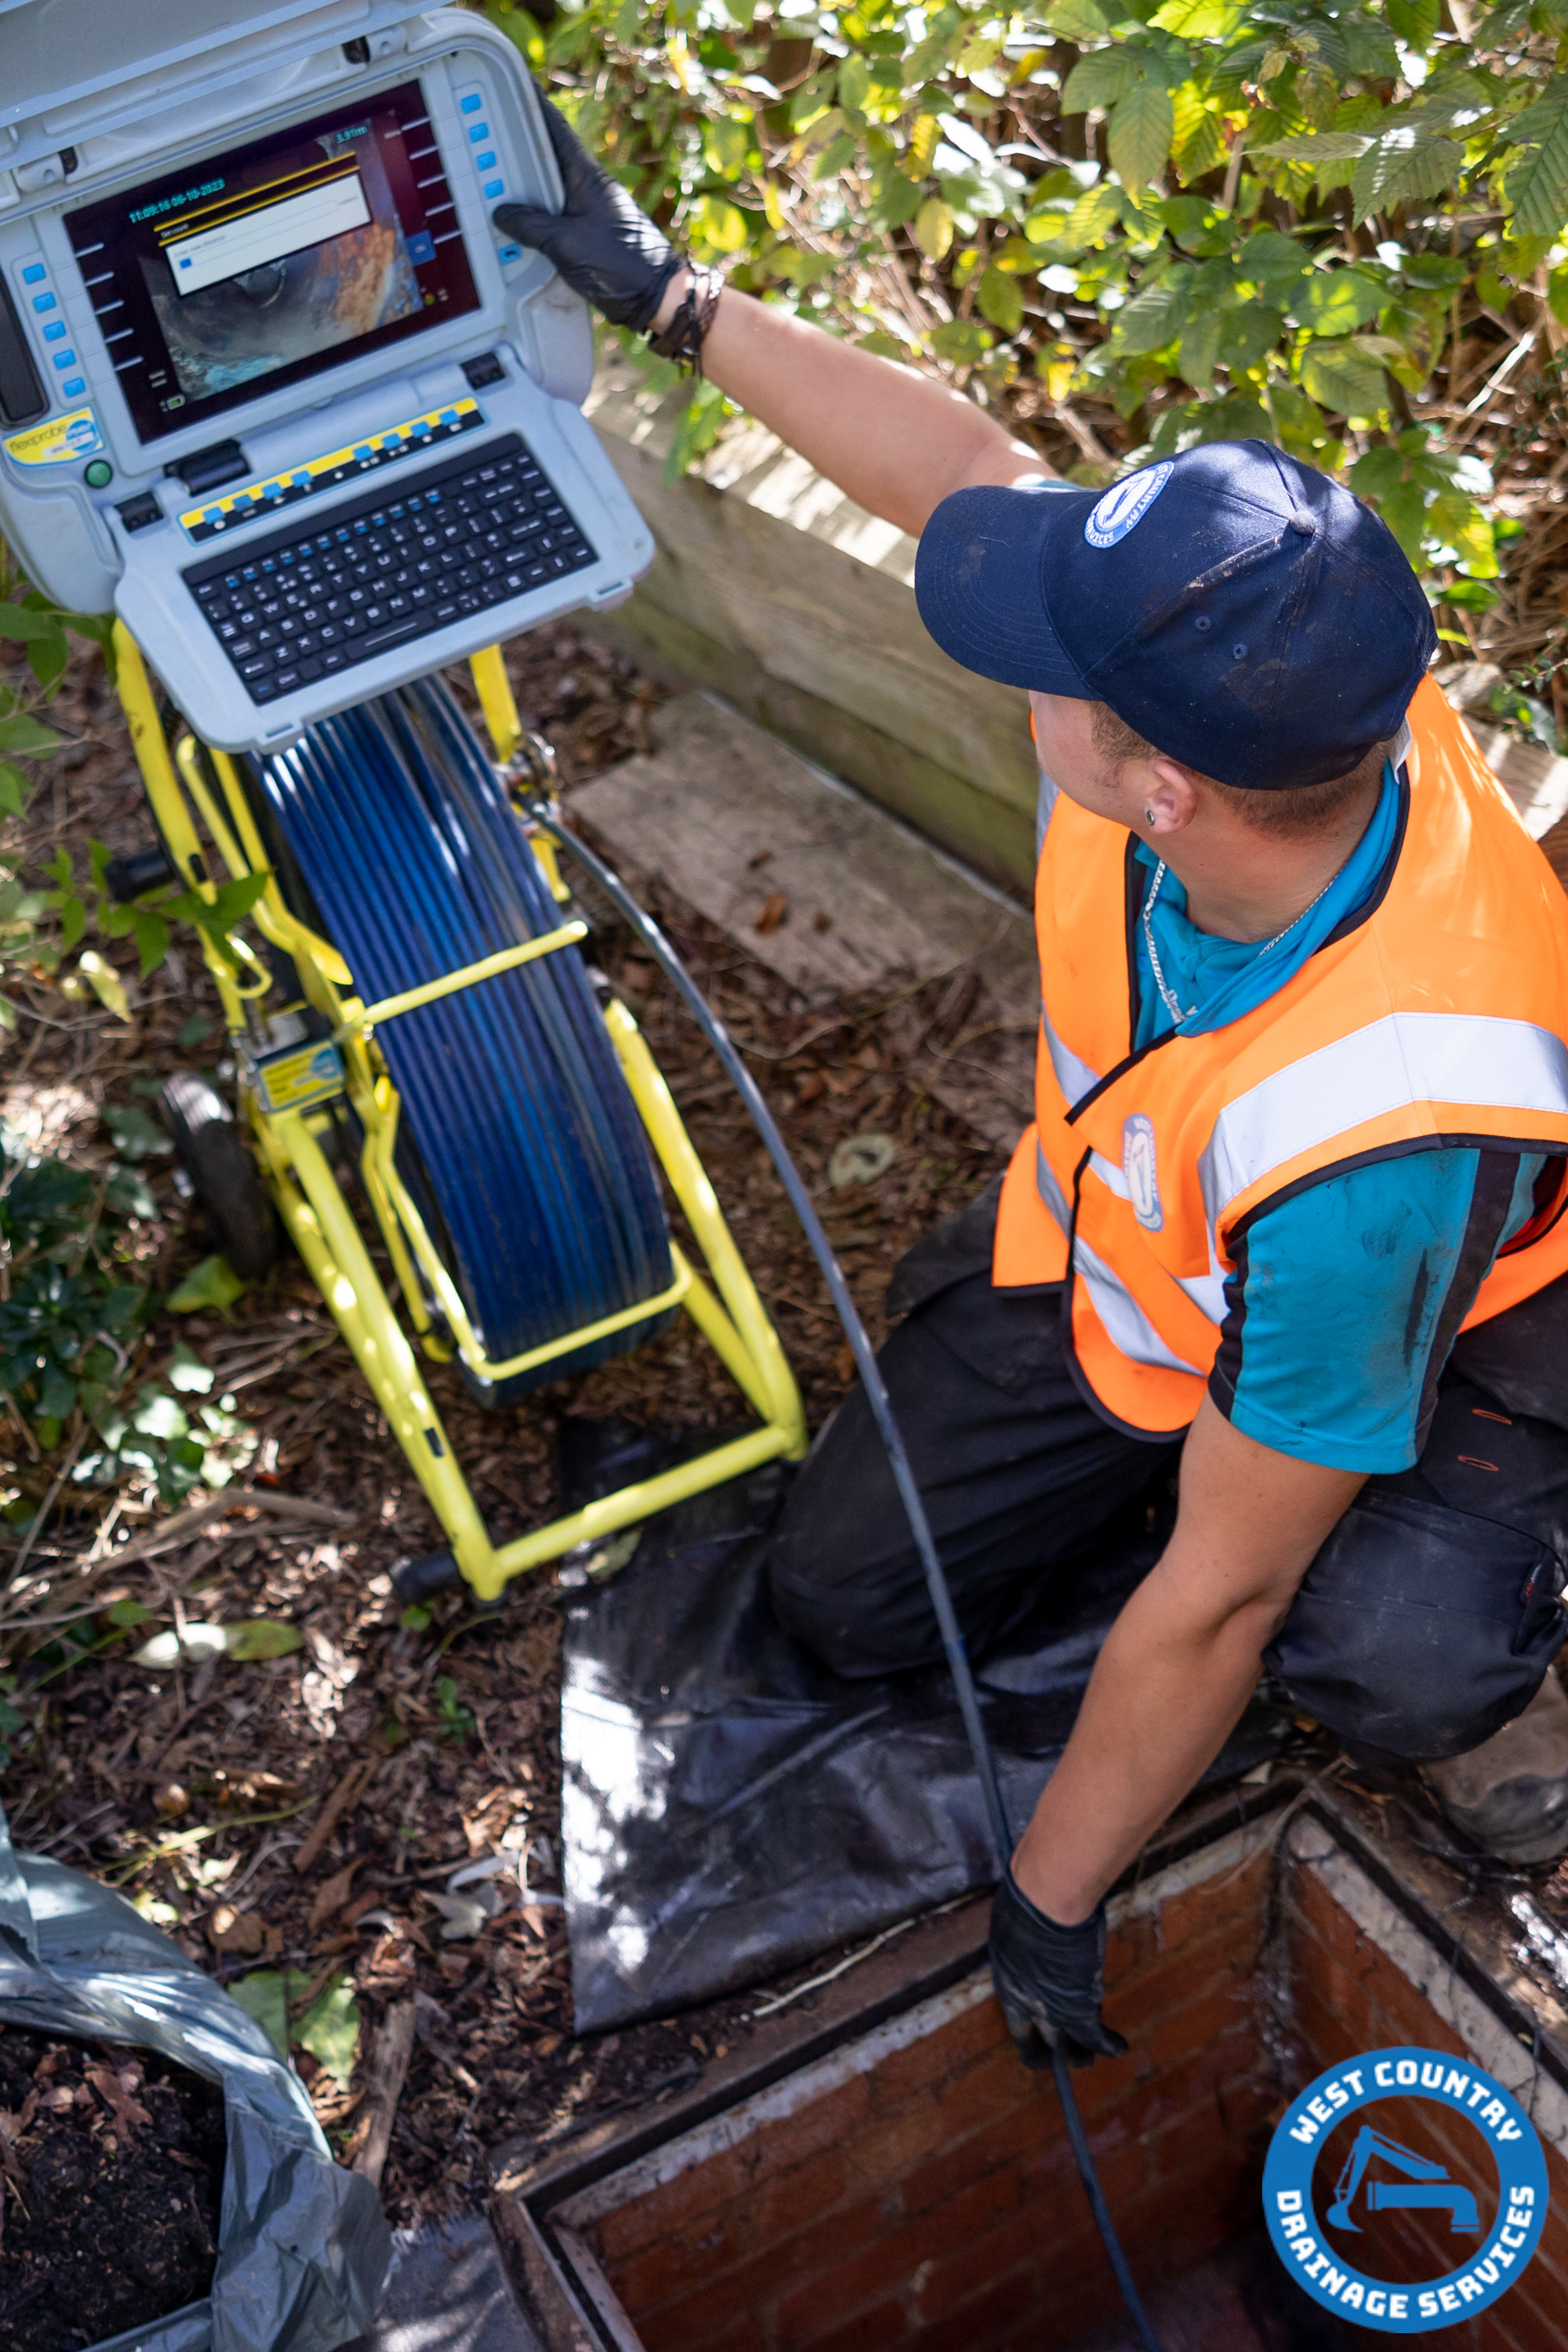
1074, 1078
1404, 1058
1044, 805
1128, 1327
1207, 1292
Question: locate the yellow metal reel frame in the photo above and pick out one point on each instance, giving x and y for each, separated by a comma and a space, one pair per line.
729, 1314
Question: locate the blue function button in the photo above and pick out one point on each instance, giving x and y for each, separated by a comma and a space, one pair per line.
478, 131
42, 302
64, 359
508, 254
34, 274
471, 104
493, 188
56, 333
74, 388
485, 162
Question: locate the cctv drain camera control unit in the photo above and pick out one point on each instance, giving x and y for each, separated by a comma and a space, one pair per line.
271, 385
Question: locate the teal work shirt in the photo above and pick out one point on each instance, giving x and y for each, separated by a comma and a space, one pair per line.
1347, 1297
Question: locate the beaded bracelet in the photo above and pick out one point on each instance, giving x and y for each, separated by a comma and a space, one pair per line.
682, 340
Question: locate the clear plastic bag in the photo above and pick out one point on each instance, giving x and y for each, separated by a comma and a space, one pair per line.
303, 2245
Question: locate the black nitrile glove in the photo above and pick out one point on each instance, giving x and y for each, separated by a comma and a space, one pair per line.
1050, 1980
605, 249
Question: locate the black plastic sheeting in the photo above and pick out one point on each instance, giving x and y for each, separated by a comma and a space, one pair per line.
731, 1808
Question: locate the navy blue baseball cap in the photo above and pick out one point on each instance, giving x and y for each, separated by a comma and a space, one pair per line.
1242, 612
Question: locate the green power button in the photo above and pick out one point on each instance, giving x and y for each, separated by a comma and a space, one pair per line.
98, 475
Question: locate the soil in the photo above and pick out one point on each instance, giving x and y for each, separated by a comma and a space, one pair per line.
195, 1790
112, 2177
200, 1792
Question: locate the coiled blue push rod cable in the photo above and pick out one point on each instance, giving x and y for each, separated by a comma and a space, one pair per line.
529, 1148
540, 814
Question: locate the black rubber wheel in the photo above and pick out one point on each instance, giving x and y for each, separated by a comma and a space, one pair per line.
232, 1198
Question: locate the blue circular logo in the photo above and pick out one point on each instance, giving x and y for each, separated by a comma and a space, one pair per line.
1126, 505
1379, 2173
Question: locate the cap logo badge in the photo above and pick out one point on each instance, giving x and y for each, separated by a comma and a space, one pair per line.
1139, 1169
1126, 505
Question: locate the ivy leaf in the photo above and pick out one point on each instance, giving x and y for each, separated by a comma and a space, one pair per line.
330, 2031
264, 1995
212, 1284
135, 1134
1343, 377
1141, 128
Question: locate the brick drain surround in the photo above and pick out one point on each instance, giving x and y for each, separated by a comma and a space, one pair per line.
909, 2184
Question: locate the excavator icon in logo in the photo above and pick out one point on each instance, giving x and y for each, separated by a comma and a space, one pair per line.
1429, 2186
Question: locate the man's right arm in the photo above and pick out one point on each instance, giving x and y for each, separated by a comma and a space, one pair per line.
895, 441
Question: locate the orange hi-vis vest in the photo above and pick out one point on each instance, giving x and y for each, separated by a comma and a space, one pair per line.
1439, 1017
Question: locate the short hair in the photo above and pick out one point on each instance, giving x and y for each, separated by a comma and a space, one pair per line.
1290, 816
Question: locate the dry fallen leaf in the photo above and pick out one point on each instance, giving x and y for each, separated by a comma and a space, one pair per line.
330, 1897
129, 2113
776, 907
229, 1931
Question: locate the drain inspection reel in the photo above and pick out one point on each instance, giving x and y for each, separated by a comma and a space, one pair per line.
273, 388
274, 391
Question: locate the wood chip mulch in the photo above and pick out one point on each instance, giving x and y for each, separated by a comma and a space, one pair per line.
201, 1791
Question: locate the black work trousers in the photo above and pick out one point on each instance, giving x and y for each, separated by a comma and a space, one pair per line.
1425, 1623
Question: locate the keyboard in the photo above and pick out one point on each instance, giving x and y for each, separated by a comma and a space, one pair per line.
478, 531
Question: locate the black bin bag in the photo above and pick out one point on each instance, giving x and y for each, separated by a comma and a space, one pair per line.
302, 2245
731, 1808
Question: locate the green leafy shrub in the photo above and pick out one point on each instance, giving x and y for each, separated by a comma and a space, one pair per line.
1146, 225
74, 1326
44, 917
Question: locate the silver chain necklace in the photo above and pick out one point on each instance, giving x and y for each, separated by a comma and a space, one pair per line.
1168, 996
